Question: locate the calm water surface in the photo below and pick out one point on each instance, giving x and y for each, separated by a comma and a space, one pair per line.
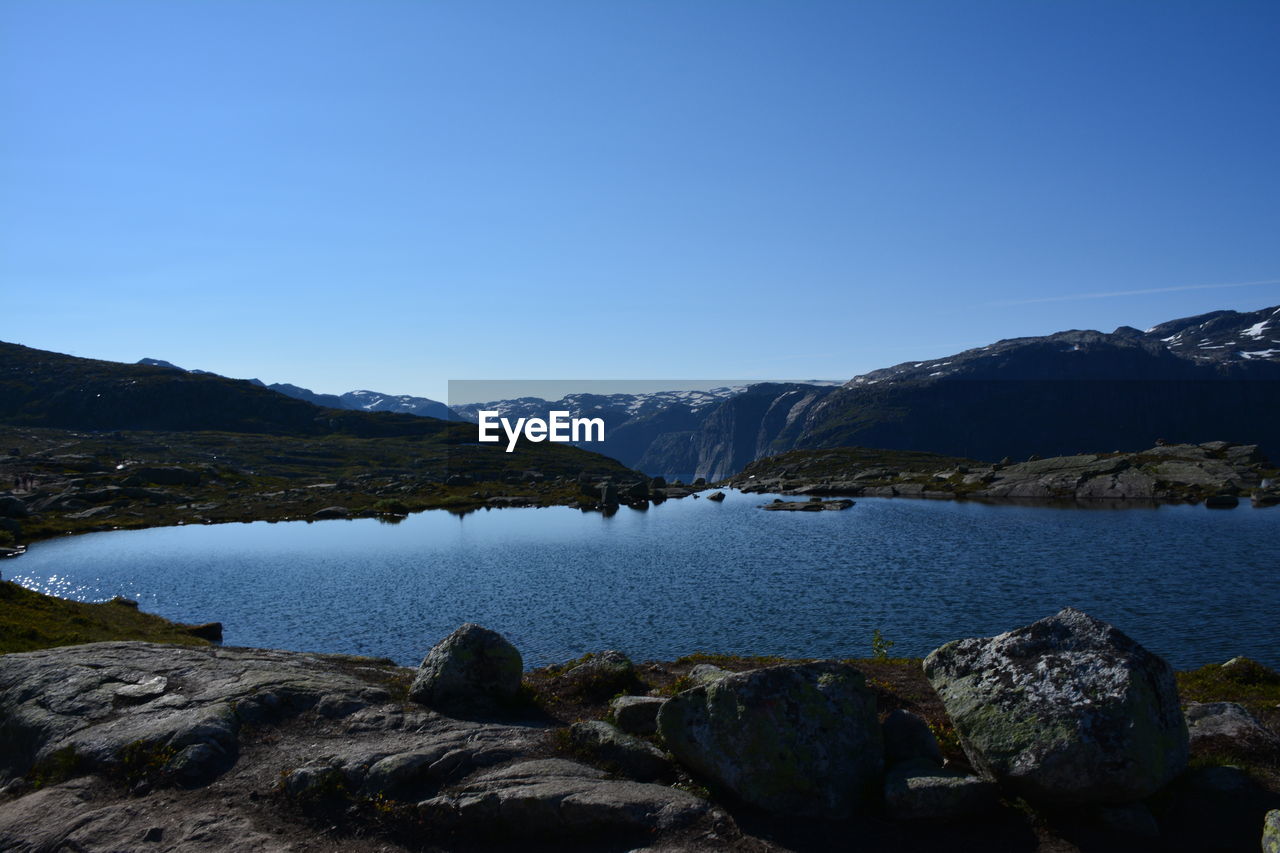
1194, 585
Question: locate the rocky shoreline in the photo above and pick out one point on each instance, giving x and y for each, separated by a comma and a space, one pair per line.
82, 493
1064, 734
1217, 473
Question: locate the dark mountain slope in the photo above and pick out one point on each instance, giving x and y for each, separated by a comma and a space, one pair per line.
356, 401
1071, 392
39, 388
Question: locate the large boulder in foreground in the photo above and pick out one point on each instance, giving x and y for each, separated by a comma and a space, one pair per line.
799, 739
473, 669
1065, 710
1271, 832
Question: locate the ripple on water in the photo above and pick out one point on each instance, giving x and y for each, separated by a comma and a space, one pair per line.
1194, 585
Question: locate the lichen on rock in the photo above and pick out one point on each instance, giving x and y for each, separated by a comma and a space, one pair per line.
1067, 709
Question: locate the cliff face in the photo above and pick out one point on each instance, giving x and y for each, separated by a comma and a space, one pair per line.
760, 421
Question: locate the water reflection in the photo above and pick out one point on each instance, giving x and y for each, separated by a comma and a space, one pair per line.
695, 575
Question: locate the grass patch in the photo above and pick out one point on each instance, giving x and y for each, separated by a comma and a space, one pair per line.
1250, 684
30, 620
60, 766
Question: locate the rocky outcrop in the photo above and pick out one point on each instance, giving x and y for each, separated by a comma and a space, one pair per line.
919, 789
1226, 728
629, 755
811, 505
637, 715
794, 739
601, 675
706, 673
471, 670
1065, 710
1216, 471
554, 797
94, 738
123, 746
98, 707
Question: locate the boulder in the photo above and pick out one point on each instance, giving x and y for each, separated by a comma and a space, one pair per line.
1227, 728
472, 669
331, 512
600, 676
626, 754
706, 673
919, 789
1271, 832
637, 715
1065, 710
907, 736
716, 496
796, 739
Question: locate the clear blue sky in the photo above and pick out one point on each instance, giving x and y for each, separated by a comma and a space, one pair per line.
380, 194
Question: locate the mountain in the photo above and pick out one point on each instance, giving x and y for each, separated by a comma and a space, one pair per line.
356, 401
238, 421
39, 388
1205, 378
1213, 376
1223, 336
652, 432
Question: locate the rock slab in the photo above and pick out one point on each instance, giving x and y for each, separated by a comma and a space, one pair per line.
554, 797
918, 789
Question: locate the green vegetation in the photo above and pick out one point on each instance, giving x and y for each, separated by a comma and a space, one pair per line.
1247, 683
144, 762
61, 765
880, 646
30, 620
734, 663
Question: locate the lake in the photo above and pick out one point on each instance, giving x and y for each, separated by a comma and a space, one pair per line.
1194, 585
